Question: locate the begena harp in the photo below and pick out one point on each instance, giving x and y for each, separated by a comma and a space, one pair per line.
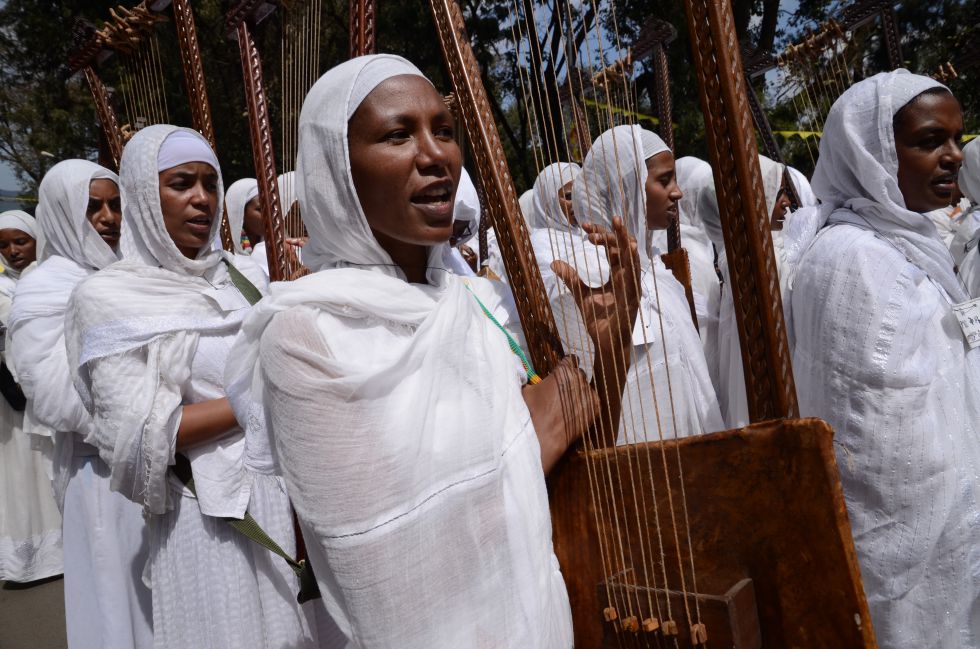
300, 56
137, 42
668, 535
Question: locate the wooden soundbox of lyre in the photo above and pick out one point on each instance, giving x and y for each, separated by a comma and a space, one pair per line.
764, 504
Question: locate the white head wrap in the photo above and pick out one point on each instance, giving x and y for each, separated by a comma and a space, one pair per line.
694, 176
236, 198
339, 232
144, 235
546, 208
467, 206
61, 214
772, 180
969, 178
803, 190
20, 220
526, 201
182, 147
856, 178
613, 180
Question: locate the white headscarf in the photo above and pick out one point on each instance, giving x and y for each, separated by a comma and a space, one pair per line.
803, 190
546, 208
467, 206
236, 198
969, 178
20, 220
144, 235
63, 197
158, 300
37, 319
772, 181
694, 176
346, 238
613, 180
856, 178
372, 546
526, 201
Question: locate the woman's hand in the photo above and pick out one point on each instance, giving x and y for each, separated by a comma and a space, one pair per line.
609, 313
562, 408
610, 310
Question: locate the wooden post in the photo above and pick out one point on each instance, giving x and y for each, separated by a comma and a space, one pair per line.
766, 359
263, 154
362, 24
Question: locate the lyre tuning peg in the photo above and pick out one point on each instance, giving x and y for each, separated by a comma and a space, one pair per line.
630, 624
651, 624
699, 633
670, 627
609, 613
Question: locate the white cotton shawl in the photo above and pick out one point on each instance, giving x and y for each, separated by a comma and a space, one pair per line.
721, 341
693, 176
37, 351
151, 308
803, 190
236, 198
879, 355
969, 176
417, 480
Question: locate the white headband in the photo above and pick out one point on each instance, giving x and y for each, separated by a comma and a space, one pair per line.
182, 147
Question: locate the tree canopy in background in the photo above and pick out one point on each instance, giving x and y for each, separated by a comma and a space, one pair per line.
46, 114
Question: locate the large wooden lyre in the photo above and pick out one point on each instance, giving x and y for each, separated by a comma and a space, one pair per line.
130, 34
300, 64
737, 538
817, 69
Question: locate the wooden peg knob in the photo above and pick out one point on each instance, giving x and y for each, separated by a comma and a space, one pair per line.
630, 624
651, 624
699, 633
610, 613
670, 627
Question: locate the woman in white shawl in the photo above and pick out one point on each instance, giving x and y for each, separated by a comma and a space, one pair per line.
416, 474
964, 247
149, 338
239, 199
630, 171
106, 603
30, 526
721, 345
880, 356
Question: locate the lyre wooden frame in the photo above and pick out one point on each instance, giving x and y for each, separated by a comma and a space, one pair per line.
95, 50
758, 63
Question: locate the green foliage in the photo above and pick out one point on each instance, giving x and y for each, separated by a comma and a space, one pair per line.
44, 109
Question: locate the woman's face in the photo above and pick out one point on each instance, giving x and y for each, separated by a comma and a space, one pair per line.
405, 163
662, 191
189, 201
18, 248
783, 204
927, 140
565, 202
253, 223
104, 210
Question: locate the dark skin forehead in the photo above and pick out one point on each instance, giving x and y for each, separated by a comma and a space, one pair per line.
383, 108
660, 164
931, 111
